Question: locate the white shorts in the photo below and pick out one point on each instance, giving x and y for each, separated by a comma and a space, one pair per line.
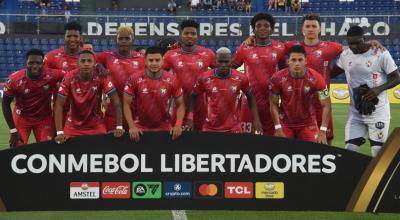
377, 129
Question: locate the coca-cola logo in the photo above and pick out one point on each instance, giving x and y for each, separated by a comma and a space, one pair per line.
115, 190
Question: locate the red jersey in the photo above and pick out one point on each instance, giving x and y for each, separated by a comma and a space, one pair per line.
260, 63
188, 66
85, 97
120, 69
59, 59
32, 96
153, 98
223, 95
320, 57
296, 96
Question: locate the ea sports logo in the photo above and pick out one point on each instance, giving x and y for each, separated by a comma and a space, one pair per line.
340, 93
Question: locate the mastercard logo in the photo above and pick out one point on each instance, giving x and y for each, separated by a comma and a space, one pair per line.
396, 93
340, 93
208, 189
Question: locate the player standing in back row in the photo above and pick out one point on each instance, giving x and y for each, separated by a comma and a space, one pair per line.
188, 62
369, 74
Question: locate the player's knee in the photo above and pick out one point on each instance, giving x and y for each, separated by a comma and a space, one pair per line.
356, 141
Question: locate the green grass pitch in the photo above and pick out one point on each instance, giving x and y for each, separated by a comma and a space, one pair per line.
340, 116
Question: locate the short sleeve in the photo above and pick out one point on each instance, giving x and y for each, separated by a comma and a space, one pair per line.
198, 87
336, 49
9, 88
274, 85
211, 59
65, 86
101, 58
246, 85
58, 74
167, 64
108, 86
321, 87
48, 61
340, 61
130, 87
238, 58
387, 62
176, 89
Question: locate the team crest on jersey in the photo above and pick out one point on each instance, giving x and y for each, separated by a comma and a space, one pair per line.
94, 88
46, 87
200, 64
234, 88
290, 89
163, 91
318, 53
135, 64
180, 64
369, 63
65, 64
306, 89
274, 56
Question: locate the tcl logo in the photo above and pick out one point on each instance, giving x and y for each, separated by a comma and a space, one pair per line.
239, 190
115, 190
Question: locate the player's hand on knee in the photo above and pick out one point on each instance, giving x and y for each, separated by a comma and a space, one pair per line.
321, 139
15, 138
176, 131
60, 139
134, 133
279, 132
118, 132
188, 125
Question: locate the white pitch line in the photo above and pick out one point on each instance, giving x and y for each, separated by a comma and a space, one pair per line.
179, 215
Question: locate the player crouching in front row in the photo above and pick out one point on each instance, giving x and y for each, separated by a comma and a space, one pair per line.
222, 87
296, 86
84, 88
153, 89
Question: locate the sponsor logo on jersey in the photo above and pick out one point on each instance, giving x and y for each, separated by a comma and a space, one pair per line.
135, 64
234, 88
270, 190
239, 190
84, 190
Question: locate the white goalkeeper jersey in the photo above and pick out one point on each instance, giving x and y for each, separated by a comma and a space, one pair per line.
369, 68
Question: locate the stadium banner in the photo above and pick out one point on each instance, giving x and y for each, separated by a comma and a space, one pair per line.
213, 26
207, 171
340, 94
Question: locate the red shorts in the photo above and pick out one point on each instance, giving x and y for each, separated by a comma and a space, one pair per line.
70, 131
43, 129
318, 115
305, 133
246, 118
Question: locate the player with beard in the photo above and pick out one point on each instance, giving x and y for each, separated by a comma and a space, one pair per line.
31, 88
188, 62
